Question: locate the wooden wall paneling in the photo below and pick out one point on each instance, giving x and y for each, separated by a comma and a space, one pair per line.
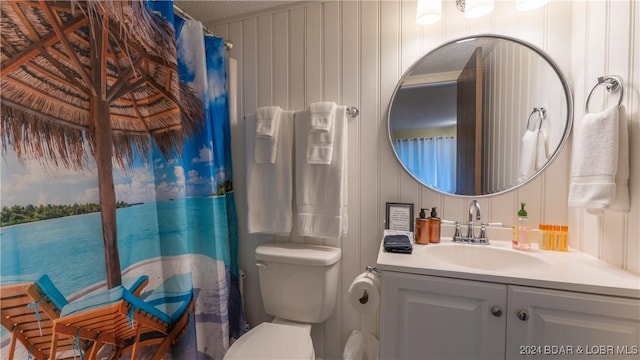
314, 48
410, 51
281, 78
350, 89
633, 110
369, 167
332, 70
390, 73
265, 60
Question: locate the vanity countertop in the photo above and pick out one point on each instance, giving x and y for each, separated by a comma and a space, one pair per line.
572, 270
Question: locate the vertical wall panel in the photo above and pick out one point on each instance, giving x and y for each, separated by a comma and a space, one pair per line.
352, 264
281, 59
353, 52
370, 205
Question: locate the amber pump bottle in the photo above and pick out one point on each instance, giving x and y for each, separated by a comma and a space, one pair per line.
434, 226
422, 228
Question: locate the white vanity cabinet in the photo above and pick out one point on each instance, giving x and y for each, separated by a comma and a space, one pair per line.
428, 317
433, 317
555, 323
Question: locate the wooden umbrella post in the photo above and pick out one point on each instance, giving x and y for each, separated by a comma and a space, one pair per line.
101, 120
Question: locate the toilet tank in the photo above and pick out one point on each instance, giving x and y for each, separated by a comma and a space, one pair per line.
298, 282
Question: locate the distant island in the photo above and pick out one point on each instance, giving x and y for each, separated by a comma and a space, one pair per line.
18, 214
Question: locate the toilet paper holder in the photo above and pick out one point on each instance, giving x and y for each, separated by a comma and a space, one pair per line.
372, 269
365, 296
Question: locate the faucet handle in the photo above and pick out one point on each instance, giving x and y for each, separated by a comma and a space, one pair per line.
483, 234
457, 234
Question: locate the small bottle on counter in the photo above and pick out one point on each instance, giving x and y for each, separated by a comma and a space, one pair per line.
564, 238
422, 228
434, 226
521, 231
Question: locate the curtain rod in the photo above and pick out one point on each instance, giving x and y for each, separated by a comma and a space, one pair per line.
227, 44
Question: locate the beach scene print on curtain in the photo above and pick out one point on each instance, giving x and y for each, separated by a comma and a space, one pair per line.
176, 231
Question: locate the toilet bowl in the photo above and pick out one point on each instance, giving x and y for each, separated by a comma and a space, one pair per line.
298, 283
273, 341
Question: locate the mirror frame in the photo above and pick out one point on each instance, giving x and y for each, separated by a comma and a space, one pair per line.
552, 157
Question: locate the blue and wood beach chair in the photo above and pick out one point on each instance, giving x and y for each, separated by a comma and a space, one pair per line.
30, 304
126, 321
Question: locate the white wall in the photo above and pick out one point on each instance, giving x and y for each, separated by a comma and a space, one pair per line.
353, 52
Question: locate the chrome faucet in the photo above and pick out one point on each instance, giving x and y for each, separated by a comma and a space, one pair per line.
472, 205
470, 238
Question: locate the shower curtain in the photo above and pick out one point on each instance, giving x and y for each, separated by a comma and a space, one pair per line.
176, 216
431, 160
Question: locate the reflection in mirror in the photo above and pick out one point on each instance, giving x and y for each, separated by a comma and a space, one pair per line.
458, 118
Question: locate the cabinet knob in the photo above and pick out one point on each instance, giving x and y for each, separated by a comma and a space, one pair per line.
496, 311
522, 315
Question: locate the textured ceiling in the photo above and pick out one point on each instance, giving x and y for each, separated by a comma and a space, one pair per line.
208, 12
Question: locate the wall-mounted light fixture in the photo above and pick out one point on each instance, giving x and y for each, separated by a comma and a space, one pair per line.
475, 8
428, 11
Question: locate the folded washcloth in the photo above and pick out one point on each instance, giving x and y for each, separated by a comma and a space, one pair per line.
321, 189
398, 244
322, 116
321, 133
267, 121
595, 160
266, 134
270, 185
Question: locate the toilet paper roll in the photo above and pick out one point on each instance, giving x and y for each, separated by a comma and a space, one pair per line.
364, 293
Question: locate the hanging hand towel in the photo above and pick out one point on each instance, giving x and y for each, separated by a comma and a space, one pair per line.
541, 150
267, 134
528, 152
322, 116
321, 189
595, 160
270, 186
621, 201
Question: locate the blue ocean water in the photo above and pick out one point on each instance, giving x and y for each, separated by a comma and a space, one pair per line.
70, 249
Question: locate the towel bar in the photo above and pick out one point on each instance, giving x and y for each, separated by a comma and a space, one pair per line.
353, 111
612, 82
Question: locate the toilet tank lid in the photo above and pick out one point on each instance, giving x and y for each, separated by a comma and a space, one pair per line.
296, 253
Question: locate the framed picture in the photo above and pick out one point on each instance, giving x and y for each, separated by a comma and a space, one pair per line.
399, 216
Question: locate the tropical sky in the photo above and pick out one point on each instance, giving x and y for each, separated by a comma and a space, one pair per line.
30, 183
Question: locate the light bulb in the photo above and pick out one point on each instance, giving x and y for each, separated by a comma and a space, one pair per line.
478, 8
428, 11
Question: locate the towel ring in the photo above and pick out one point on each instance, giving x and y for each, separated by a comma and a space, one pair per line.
612, 83
542, 114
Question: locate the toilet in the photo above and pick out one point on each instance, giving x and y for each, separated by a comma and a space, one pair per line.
298, 283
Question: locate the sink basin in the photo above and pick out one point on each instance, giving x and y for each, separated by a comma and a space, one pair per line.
486, 257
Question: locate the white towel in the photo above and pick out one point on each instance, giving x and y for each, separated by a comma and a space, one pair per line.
322, 116
595, 160
267, 120
541, 150
621, 201
321, 189
266, 134
270, 186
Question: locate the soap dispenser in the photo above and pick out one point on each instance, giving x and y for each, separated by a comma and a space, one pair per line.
434, 226
521, 229
422, 228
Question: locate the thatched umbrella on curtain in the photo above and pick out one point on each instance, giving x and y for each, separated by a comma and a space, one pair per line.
92, 72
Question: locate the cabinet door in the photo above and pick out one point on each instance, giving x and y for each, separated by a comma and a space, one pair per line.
426, 317
556, 323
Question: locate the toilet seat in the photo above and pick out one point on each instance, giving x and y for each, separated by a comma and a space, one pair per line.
273, 341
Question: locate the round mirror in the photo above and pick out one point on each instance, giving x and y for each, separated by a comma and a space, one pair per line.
480, 115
